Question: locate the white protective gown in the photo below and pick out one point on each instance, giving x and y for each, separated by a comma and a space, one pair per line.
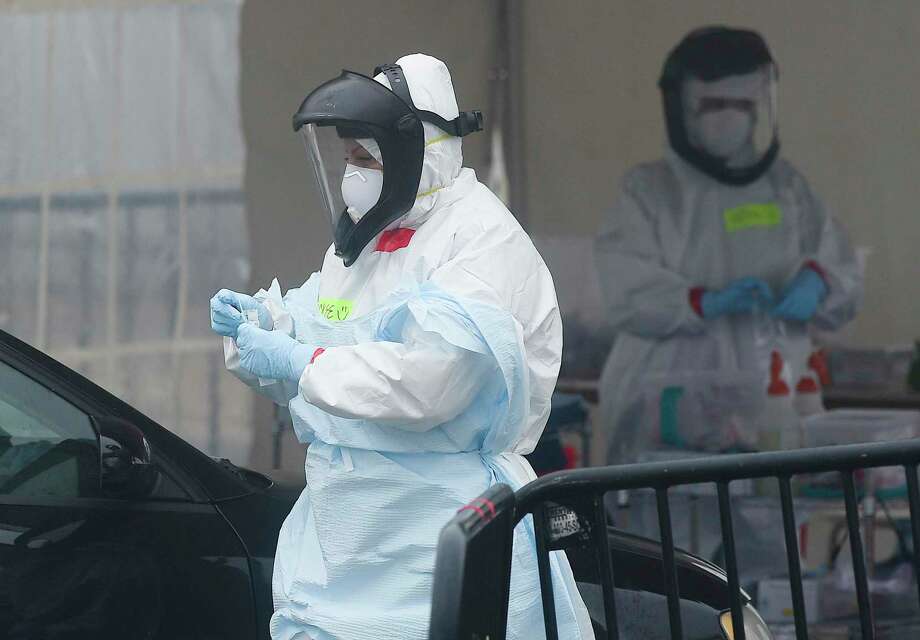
667, 233
442, 346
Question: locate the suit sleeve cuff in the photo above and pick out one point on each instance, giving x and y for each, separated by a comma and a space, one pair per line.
817, 268
695, 297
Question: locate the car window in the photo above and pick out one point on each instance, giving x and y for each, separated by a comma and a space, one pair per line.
47, 446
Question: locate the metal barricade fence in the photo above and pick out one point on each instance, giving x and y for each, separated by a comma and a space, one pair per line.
473, 567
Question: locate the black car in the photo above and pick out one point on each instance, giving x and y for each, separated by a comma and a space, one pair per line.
113, 527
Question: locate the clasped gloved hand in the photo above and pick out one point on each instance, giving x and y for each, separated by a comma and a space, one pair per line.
272, 354
802, 296
226, 312
740, 296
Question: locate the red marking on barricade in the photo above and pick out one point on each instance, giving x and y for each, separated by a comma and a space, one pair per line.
488, 503
471, 507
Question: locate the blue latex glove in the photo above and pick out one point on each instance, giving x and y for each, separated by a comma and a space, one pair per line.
801, 297
226, 312
740, 296
225, 319
272, 354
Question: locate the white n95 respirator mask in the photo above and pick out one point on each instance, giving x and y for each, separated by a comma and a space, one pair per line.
724, 133
361, 190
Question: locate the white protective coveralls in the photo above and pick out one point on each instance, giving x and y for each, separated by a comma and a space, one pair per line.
666, 234
442, 346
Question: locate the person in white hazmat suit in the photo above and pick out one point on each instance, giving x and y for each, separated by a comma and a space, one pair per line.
721, 235
418, 364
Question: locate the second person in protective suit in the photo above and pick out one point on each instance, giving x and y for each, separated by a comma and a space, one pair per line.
418, 363
717, 238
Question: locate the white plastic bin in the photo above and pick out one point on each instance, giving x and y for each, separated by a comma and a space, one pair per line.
851, 426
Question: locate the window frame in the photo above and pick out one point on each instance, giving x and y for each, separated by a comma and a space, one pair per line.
41, 369
88, 485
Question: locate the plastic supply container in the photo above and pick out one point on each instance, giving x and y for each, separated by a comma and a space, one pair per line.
780, 425
851, 426
702, 411
817, 362
774, 600
807, 400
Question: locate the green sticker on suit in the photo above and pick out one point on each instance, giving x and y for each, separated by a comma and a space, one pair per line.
748, 216
335, 310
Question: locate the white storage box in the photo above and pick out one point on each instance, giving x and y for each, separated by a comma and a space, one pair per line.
850, 426
774, 600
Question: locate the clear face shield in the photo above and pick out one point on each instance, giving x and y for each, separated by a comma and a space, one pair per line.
348, 168
732, 119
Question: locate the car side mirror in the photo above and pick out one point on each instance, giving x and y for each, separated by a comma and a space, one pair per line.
125, 459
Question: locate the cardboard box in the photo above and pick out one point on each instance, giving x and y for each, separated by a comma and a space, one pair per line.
774, 600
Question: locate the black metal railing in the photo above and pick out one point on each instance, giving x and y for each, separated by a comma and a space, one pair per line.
474, 552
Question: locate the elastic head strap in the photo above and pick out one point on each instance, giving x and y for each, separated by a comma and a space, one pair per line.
397, 80
464, 124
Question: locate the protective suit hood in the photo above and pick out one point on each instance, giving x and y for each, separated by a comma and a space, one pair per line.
401, 135
718, 89
431, 88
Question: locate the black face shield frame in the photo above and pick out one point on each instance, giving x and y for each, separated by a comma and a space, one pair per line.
358, 106
710, 54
